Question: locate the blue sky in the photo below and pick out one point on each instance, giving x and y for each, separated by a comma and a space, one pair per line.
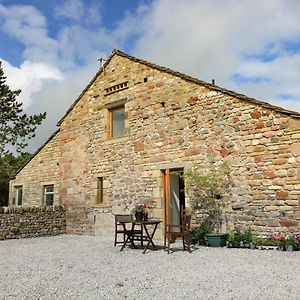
50, 48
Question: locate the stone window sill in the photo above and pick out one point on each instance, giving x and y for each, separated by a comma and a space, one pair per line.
102, 205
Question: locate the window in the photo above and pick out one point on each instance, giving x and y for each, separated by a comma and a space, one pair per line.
117, 121
100, 190
18, 195
48, 194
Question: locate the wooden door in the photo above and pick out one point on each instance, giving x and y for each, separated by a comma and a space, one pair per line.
174, 199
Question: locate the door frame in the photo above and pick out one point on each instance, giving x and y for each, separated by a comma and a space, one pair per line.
167, 194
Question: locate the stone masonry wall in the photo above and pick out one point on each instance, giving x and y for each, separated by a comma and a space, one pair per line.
41, 170
18, 222
170, 123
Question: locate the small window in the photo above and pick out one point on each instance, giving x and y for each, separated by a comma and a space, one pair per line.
117, 121
99, 190
48, 195
18, 195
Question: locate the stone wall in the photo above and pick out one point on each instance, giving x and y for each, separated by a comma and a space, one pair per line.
173, 122
18, 222
41, 170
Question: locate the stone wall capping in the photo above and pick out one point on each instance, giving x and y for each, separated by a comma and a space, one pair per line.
22, 210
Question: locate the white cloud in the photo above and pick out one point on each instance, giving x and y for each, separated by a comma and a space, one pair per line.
77, 10
25, 14
78, 45
214, 39
55, 98
209, 39
30, 78
54, 71
27, 25
72, 9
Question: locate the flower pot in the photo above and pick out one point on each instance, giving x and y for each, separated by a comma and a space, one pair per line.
145, 216
246, 245
139, 216
216, 239
289, 248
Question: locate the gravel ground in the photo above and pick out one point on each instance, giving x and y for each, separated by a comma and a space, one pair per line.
86, 267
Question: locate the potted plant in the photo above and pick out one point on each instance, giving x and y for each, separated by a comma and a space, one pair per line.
278, 239
289, 243
208, 197
234, 239
199, 234
141, 212
247, 238
240, 239
297, 241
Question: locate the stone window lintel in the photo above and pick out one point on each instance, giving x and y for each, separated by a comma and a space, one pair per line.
115, 104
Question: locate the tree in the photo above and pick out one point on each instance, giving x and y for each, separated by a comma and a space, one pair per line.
15, 127
9, 165
209, 192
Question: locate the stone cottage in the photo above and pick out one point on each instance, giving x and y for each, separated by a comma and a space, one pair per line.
137, 126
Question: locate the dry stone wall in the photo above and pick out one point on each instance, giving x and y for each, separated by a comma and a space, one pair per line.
18, 222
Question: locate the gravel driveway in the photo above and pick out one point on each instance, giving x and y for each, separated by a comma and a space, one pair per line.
86, 267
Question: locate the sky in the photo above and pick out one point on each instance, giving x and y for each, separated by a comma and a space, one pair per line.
50, 48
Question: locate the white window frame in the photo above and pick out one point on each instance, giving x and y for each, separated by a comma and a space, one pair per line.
45, 193
18, 191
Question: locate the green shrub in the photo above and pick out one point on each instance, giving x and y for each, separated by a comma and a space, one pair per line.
260, 241
237, 237
247, 236
199, 234
208, 192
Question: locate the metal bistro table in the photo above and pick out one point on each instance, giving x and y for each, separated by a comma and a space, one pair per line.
148, 237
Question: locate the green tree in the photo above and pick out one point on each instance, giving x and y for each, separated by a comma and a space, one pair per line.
209, 192
9, 165
15, 126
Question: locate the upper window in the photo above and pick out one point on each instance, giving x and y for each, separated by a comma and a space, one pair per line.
48, 194
117, 121
18, 195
